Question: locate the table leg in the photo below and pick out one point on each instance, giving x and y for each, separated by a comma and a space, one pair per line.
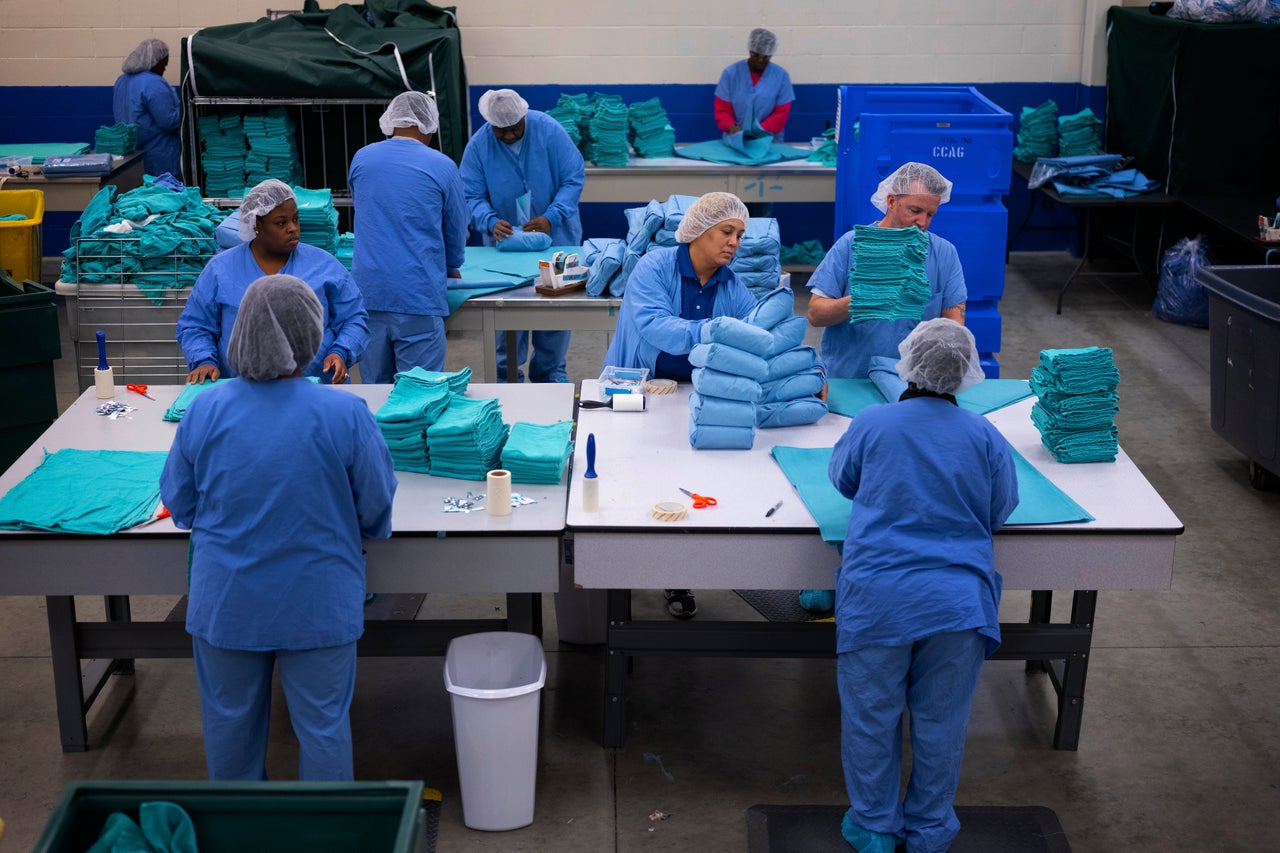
117, 608
1066, 734
615, 674
1041, 613
1086, 220
488, 338
524, 612
68, 688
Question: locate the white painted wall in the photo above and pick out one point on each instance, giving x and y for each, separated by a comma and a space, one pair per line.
580, 43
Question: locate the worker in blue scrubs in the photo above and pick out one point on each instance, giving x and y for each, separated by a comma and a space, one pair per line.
671, 294
917, 593
269, 227
910, 196
411, 235
141, 97
522, 160
754, 91
277, 570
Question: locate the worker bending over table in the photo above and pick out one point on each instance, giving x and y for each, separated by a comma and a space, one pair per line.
269, 227
521, 170
754, 91
143, 98
909, 197
277, 570
671, 294
411, 213
917, 595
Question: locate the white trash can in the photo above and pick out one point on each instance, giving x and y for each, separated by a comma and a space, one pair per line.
495, 681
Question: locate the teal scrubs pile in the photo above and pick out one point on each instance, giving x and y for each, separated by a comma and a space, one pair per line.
273, 148
1078, 403
223, 149
887, 280
809, 253
1037, 133
317, 218
96, 492
566, 112
346, 246
416, 401
1078, 134
466, 440
189, 392
825, 154
115, 138
607, 143
537, 453
651, 133
758, 261
161, 828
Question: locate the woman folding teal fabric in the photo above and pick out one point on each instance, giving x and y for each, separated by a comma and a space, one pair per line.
754, 91
277, 570
269, 227
142, 97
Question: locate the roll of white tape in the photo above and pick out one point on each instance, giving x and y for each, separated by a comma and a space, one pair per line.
660, 386
628, 402
668, 511
104, 384
497, 496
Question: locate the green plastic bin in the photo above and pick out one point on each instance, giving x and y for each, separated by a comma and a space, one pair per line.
253, 817
29, 345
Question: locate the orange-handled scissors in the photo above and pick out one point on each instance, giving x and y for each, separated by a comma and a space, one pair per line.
700, 501
139, 389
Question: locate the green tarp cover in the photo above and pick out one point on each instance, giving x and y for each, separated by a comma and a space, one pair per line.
348, 52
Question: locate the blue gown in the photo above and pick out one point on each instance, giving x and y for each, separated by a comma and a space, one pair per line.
204, 328
146, 100
847, 348
752, 104
649, 321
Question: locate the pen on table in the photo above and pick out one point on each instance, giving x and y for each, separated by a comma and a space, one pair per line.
773, 509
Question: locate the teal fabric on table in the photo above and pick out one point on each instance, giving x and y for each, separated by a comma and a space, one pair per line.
466, 440
317, 218
848, 397
1082, 411
1078, 134
38, 151
883, 372
734, 150
1039, 500
1078, 403
1086, 445
165, 828
95, 492
537, 453
115, 138
417, 400
651, 132
1037, 132
992, 394
887, 279
457, 380
188, 393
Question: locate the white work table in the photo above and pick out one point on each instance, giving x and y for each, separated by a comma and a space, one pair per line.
71, 193
429, 551
643, 179
643, 458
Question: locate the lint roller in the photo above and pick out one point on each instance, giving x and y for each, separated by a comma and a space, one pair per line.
104, 383
590, 482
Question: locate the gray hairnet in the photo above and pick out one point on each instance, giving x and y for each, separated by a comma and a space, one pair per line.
762, 41
503, 107
278, 328
145, 56
410, 109
912, 179
708, 212
261, 200
940, 356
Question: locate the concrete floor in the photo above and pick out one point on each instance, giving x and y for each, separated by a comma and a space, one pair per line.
1179, 750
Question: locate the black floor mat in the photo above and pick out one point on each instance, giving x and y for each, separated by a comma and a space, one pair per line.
779, 605
983, 829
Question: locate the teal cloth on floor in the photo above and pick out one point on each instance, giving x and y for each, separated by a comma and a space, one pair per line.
189, 392
165, 828
94, 492
537, 453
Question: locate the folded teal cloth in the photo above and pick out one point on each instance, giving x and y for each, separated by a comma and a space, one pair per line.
537, 453
96, 492
809, 253
848, 397
735, 333
887, 280
189, 392
788, 334
791, 361
525, 241
717, 411
712, 437
786, 413
1037, 133
165, 828
991, 394
457, 380
806, 383
413, 401
1080, 412
713, 383
466, 440
1075, 371
1089, 445
728, 359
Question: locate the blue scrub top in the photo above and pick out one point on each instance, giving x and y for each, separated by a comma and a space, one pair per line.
146, 100
410, 226
650, 320
930, 483
278, 482
204, 328
547, 165
753, 103
847, 348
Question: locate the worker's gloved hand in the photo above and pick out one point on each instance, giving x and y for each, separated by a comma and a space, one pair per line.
334, 362
502, 229
203, 372
538, 223
734, 128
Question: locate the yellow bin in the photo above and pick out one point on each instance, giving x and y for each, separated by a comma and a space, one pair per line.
20, 238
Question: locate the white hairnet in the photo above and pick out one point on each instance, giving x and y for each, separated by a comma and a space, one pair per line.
940, 356
277, 330
145, 56
762, 41
708, 212
410, 109
260, 200
503, 107
912, 179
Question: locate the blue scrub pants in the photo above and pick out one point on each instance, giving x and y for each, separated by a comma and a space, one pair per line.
547, 362
235, 708
934, 678
400, 342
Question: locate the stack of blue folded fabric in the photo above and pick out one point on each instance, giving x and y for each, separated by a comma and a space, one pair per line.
607, 142
115, 138
603, 256
317, 218
273, 148
758, 262
416, 402
1078, 134
466, 440
1077, 403
727, 365
792, 379
673, 211
651, 133
537, 453
346, 248
888, 281
1037, 133
222, 157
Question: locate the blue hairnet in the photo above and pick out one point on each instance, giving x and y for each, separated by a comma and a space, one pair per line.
260, 200
410, 109
940, 356
762, 41
278, 328
708, 212
912, 179
503, 107
145, 56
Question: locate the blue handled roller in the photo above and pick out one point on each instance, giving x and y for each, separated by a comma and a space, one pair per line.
591, 457
590, 482
104, 383
102, 351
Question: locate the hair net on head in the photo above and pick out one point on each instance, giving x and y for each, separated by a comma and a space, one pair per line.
278, 328
708, 212
410, 109
940, 356
260, 200
145, 56
912, 179
503, 107
762, 41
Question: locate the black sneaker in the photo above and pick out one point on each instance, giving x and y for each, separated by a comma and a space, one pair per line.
680, 603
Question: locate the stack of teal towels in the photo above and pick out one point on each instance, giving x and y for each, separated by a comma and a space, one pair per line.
466, 440
1078, 134
607, 142
537, 453
1078, 403
115, 138
318, 218
888, 280
273, 148
222, 158
567, 111
415, 403
826, 153
346, 248
1037, 133
651, 133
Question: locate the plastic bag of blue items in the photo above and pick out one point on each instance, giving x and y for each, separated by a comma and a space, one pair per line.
1179, 297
